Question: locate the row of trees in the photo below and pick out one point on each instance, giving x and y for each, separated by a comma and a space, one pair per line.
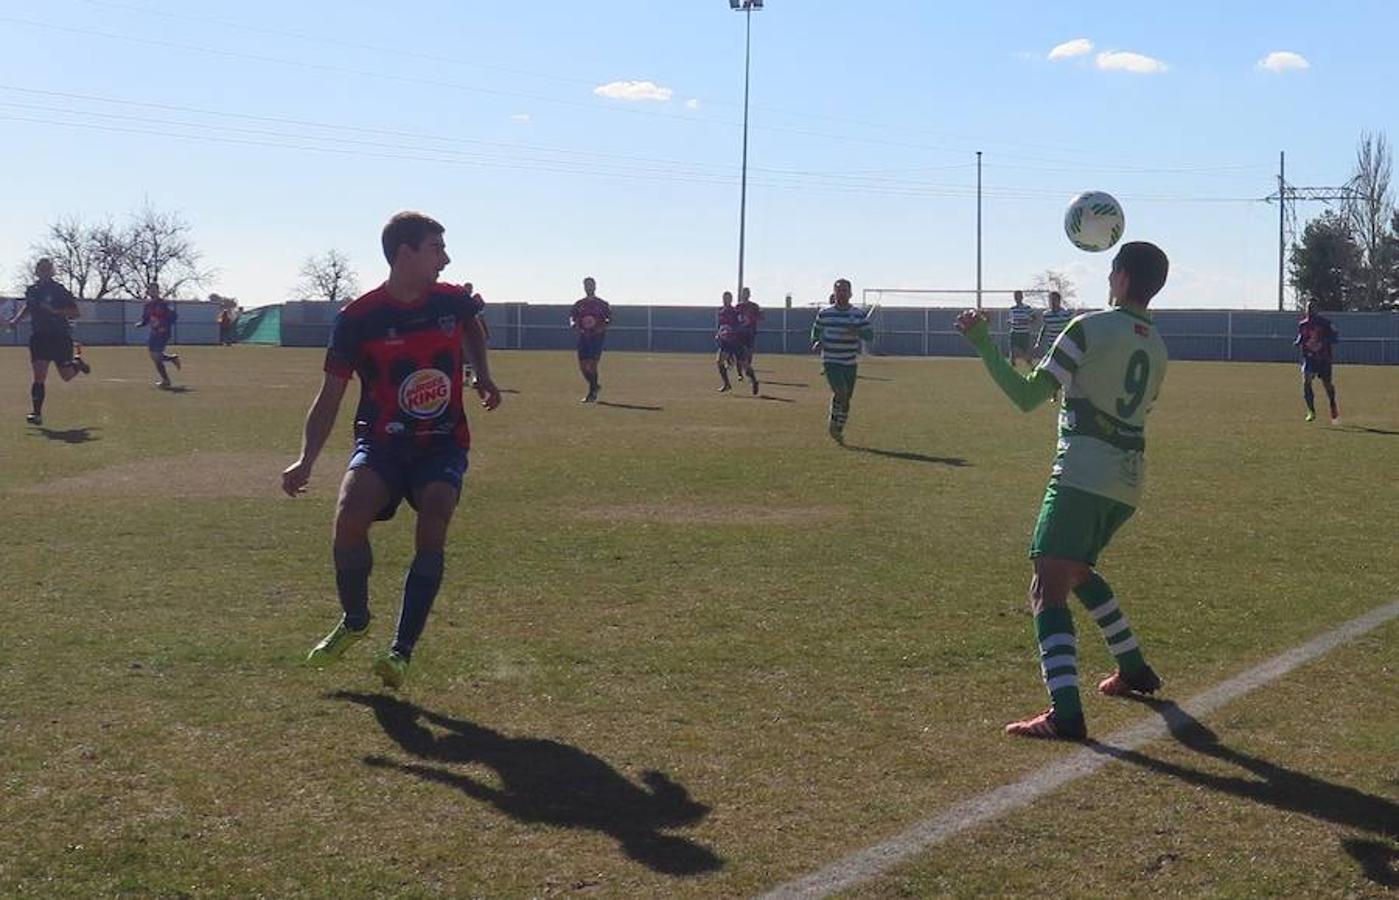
108, 261
1348, 257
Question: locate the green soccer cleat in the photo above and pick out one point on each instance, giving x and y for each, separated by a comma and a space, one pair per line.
1311, 417
392, 668
334, 645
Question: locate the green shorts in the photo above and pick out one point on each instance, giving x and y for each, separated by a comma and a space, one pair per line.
841, 378
1075, 524
1020, 341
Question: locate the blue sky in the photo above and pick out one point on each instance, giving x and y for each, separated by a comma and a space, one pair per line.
284, 129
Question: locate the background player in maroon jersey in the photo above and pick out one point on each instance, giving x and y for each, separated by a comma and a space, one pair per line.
160, 317
727, 338
749, 315
590, 317
406, 340
1316, 336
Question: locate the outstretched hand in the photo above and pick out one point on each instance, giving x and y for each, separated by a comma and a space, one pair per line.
968, 319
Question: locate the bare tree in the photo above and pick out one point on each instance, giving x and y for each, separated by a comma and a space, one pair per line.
159, 251
327, 277
1054, 280
108, 250
67, 245
1370, 212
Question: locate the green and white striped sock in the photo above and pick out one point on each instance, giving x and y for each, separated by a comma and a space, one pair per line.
1097, 598
1054, 628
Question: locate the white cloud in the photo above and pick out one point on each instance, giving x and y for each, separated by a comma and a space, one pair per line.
692, 104
1070, 49
1123, 61
633, 90
520, 117
1282, 60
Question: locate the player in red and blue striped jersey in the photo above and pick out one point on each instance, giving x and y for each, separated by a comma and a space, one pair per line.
160, 317
1317, 336
406, 340
728, 337
590, 317
749, 315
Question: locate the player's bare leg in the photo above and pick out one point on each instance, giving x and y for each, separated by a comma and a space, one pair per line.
721, 360
436, 501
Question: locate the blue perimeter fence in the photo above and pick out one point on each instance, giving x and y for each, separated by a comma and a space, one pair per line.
1224, 335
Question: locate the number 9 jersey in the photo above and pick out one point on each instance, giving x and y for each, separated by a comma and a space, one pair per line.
1111, 365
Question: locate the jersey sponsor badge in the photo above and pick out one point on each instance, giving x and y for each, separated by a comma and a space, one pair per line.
589, 323
448, 324
425, 393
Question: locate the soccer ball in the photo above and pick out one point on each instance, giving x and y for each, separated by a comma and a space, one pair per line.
1094, 221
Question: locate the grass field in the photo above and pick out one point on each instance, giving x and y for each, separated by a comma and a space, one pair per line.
686, 645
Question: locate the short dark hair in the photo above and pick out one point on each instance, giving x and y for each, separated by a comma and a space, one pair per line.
1146, 266
1055, 295
407, 228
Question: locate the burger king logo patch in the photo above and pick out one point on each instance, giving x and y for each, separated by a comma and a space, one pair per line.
425, 393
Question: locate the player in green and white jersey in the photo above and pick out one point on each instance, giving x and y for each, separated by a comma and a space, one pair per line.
1110, 365
1053, 321
1021, 318
837, 332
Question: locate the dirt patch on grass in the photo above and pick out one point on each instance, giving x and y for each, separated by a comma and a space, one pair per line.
697, 514
195, 475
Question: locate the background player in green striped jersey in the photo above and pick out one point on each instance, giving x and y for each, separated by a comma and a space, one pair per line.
1053, 321
1021, 318
837, 332
1110, 365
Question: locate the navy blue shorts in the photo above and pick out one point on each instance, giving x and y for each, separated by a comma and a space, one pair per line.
1318, 367
590, 345
157, 345
405, 470
51, 346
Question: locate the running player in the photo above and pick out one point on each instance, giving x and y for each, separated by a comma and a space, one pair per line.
1110, 365
728, 339
590, 317
51, 306
1316, 336
749, 315
405, 339
837, 332
1021, 318
160, 317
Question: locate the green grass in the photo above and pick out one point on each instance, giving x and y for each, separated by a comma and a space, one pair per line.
816, 646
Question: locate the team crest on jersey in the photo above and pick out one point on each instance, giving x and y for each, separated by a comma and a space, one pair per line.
425, 393
448, 324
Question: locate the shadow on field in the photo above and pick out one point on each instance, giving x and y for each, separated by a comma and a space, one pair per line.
548, 782
872, 378
954, 461
800, 384
1276, 786
775, 399
69, 436
1365, 429
177, 389
630, 406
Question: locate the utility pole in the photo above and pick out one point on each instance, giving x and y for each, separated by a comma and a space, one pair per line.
978, 229
746, 7
1287, 198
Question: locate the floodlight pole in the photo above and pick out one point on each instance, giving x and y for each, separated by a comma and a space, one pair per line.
978, 229
747, 10
1282, 220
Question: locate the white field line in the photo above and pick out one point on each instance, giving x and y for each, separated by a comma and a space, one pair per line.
874, 861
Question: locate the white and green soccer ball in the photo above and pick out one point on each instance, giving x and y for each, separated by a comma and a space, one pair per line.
1094, 221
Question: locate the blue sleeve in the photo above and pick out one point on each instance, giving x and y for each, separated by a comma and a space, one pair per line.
342, 355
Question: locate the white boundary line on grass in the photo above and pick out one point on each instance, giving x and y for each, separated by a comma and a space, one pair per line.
874, 861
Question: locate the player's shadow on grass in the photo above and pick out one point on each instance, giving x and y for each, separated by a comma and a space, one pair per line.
1365, 429
911, 456
630, 406
1276, 786
798, 384
70, 435
177, 389
872, 378
548, 782
775, 399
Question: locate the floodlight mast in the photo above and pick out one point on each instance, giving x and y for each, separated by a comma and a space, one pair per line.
746, 7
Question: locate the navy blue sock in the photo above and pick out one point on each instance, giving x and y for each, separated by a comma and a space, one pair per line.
419, 590
160, 367
36, 396
352, 568
1308, 395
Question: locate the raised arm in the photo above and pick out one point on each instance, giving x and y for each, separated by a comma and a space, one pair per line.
1026, 391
